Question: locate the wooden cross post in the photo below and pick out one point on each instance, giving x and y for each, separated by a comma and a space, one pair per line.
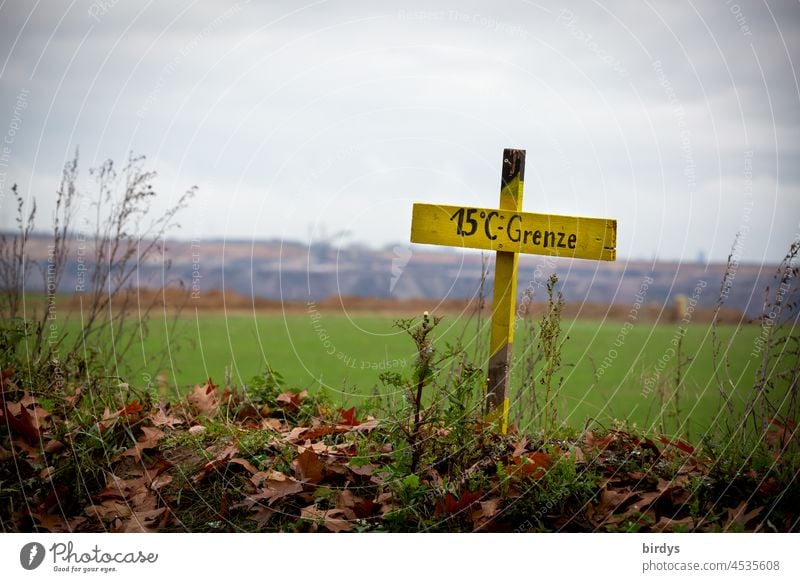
505, 295
509, 231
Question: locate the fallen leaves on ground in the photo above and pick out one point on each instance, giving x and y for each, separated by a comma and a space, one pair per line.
451, 504
321, 468
291, 400
273, 486
133, 504
148, 440
223, 458
533, 465
308, 466
334, 520
740, 516
204, 399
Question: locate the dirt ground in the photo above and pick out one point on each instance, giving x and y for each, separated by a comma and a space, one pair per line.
231, 302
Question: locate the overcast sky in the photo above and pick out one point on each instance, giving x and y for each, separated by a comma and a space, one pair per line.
679, 119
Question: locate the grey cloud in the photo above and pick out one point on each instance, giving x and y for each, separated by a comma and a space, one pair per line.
330, 110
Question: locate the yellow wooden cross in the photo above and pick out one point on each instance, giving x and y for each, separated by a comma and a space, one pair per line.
509, 231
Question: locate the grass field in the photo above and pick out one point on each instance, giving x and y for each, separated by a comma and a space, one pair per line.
610, 370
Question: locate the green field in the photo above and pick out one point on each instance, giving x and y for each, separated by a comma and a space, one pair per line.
610, 370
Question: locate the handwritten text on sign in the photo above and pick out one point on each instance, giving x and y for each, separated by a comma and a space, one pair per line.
518, 232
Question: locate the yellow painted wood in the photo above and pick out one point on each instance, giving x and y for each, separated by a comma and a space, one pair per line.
503, 307
499, 229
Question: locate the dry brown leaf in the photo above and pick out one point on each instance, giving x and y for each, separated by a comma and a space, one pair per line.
74, 523
360, 506
336, 525
12, 408
261, 515
53, 447
72, 401
109, 509
130, 411
362, 470
39, 416
520, 447
115, 488
223, 457
348, 417
54, 523
148, 440
319, 447
150, 437
149, 515
20, 421
159, 465
320, 431
272, 424
32, 453
386, 501
366, 426
347, 498
160, 481
143, 521
291, 400
161, 418
335, 520
295, 434
308, 467
678, 443
450, 504
204, 399
244, 463
483, 513
275, 485
133, 526
739, 516
610, 501
530, 465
